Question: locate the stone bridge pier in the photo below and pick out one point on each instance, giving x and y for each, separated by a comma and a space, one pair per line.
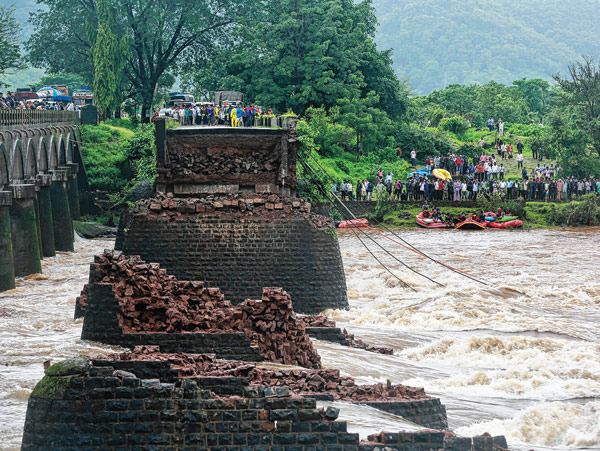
41, 170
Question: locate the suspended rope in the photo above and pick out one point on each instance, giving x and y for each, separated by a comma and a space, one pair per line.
328, 196
408, 245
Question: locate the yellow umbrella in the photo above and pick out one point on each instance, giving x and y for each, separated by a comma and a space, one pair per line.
442, 174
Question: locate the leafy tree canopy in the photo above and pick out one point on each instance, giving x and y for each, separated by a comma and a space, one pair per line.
576, 124
295, 55
160, 35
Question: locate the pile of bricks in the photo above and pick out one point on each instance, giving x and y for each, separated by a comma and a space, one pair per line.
317, 321
329, 381
247, 204
319, 326
152, 301
298, 381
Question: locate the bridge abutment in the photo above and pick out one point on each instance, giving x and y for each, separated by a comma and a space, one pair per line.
61, 212
24, 233
7, 268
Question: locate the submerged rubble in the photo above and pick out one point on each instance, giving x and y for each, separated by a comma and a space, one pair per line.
323, 328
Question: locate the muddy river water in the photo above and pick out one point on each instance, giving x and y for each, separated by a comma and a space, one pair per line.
519, 356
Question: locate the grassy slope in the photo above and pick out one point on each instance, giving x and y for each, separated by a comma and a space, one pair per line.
346, 166
512, 171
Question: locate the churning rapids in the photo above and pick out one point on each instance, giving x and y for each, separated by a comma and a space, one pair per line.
519, 357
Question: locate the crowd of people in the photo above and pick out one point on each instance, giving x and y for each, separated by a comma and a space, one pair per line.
471, 178
211, 115
10, 102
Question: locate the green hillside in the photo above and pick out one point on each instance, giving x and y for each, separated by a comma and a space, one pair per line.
474, 41
463, 41
27, 77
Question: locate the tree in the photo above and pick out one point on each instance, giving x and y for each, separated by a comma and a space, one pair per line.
160, 35
312, 53
109, 60
537, 93
581, 92
10, 50
372, 125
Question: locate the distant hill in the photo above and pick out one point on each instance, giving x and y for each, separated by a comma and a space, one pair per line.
29, 76
440, 42
22, 8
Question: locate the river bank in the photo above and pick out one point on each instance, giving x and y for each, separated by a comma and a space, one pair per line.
535, 215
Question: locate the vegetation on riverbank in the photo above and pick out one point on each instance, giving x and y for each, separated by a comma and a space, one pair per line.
535, 215
119, 157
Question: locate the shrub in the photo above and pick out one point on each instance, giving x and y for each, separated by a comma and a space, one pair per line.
469, 150
140, 145
127, 123
582, 212
436, 116
343, 166
455, 124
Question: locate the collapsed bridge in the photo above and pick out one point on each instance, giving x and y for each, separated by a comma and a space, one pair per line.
226, 213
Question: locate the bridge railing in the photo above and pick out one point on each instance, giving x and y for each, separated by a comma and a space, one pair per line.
269, 121
16, 118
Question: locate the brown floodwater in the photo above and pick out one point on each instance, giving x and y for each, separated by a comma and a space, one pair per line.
520, 356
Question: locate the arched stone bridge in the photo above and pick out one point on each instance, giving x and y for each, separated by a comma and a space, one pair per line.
40, 173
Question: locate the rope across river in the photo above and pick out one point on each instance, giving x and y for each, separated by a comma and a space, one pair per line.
406, 245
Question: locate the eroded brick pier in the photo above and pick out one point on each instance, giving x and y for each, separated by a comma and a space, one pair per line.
226, 212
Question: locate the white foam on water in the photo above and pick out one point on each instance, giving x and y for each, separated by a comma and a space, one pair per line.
36, 324
529, 339
558, 425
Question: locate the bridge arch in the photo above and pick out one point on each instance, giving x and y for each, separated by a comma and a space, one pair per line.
69, 147
42, 155
30, 160
52, 152
4, 174
17, 161
62, 150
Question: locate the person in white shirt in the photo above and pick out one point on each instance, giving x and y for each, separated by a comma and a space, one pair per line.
495, 171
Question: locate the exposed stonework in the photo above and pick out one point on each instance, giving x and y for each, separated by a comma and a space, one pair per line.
203, 161
242, 244
151, 302
99, 406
